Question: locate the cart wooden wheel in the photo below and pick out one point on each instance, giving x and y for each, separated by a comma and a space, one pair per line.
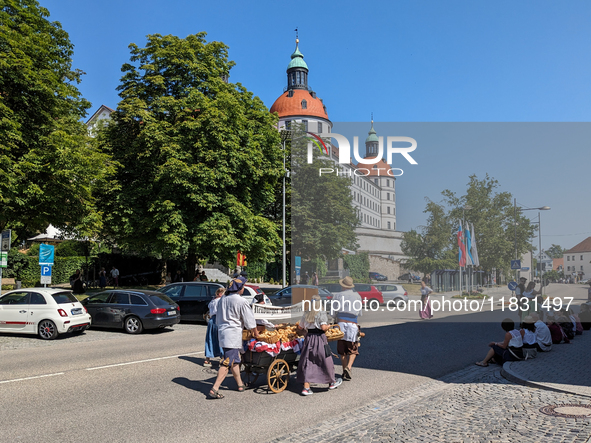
278, 375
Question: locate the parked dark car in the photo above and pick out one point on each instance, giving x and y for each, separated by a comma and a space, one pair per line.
377, 276
283, 296
132, 310
193, 297
409, 278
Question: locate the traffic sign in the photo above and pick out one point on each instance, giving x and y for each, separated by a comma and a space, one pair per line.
5, 240
516, 264
45, 275
512, 285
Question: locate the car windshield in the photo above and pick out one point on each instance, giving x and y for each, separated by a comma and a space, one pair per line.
64, 297
161, 300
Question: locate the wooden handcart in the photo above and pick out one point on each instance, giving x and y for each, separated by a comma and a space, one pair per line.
278, 368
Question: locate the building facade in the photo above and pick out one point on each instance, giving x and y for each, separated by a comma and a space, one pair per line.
577, 261
372, 189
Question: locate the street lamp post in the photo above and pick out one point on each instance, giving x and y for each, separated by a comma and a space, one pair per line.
284, 136
543, 208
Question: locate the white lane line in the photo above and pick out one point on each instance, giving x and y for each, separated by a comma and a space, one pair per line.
31, 378
143, 361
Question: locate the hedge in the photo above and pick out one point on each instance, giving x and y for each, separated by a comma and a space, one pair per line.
26, 268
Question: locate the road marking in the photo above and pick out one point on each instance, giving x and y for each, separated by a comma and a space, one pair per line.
143, 361
31, 378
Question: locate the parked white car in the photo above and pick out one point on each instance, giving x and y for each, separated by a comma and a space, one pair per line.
44, 311
392, 292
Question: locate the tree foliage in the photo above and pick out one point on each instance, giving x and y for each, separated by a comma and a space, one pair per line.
555, 251
323, 217
47, 166
199, 157
499, 230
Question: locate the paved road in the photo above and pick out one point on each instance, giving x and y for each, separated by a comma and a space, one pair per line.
152, 387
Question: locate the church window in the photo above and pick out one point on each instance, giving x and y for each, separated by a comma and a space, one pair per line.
304, 104
298, 77
319, 128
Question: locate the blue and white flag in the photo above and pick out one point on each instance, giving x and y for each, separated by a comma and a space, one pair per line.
474, 250
469, 260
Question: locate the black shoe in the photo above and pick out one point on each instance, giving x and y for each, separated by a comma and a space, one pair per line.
346, 374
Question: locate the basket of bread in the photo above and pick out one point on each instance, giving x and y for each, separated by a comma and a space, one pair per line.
287, 332
334, 333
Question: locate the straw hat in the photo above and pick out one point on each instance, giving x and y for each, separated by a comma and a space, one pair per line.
528, 319
347, 283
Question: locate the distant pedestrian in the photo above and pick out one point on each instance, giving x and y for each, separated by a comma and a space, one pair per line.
305, 278
102, 278
203, 277
115, 276
315, 279
168, 279
76, 283
425, 312
178, 277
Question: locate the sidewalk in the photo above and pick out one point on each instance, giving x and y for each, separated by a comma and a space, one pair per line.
566, 368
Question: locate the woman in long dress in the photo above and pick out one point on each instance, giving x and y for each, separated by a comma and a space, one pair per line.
425, 311
212, 343
315, 366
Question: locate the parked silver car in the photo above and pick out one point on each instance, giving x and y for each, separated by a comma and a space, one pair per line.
392, 292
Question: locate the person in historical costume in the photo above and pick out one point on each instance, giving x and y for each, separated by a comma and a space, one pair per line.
316, 365
212, 343
233, 315
425, 312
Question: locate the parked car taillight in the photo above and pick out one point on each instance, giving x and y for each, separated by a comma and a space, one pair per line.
405, 293
85, 310
62, 313
158, 311
178, 308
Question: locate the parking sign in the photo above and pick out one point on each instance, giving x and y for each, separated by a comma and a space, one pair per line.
45, 275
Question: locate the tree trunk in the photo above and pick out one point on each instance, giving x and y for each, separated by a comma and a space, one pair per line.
191, 264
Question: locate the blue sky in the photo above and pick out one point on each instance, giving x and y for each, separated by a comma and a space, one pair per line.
405, 61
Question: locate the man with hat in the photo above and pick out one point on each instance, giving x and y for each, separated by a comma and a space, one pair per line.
233, 315
346, 307
519, 291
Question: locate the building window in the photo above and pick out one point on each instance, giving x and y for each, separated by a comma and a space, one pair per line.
298, 77
388, 209
581, 268
288, 124
305, 122
567, 258
319, 128
388, 183
389, 225
304, 104
394, 225
387, 196
394, 209
581, 257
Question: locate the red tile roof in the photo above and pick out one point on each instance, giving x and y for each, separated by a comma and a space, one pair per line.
286, 106
584, 246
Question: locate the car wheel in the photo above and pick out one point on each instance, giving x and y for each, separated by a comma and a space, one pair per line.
373, 302
133, 325
47, 330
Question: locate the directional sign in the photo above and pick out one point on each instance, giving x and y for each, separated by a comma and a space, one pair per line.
512, 285
5, 240
515, 264
525, 269
45, 275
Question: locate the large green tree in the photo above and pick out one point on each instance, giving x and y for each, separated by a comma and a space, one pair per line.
199, 156
555, 251
499, 230
47, 165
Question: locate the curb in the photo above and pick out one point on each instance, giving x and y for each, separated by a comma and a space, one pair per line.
512, 377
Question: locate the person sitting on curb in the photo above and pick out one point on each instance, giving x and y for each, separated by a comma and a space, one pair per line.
543, 335
558, 335
507, 350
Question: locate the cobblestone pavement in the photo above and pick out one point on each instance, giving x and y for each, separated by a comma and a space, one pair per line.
559, 369
471, 405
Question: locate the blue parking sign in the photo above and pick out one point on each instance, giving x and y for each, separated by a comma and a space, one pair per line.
45, 271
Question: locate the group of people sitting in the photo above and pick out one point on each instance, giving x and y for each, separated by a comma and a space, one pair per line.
535, 335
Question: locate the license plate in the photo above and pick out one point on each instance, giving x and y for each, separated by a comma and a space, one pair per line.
171, 312
77, 311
